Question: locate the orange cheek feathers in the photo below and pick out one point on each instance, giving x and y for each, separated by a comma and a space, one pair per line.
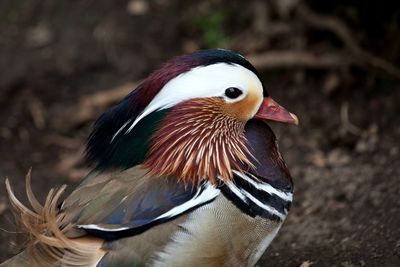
242, 110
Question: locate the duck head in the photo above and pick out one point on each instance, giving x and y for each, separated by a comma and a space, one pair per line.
187, 119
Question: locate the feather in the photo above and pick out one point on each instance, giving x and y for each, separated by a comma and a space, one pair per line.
130, 202
193, 141
269, 166
48, 245
113, 143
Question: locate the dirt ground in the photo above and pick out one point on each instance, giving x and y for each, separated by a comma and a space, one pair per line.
344, 156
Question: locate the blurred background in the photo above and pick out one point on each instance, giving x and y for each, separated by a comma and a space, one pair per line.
336, 64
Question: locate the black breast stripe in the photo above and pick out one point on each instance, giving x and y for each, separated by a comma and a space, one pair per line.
257, 200
269, 199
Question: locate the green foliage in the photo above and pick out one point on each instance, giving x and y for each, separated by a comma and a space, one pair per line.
11, 11
211, 26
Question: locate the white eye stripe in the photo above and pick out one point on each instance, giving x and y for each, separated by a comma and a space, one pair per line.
204, 81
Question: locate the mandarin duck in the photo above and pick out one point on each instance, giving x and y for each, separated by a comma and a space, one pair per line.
185, 174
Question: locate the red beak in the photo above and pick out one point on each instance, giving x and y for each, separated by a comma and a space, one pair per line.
270, 110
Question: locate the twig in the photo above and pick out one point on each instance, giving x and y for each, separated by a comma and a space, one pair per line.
3, 207
104, 98
290, 59
69, 161
347, 124
37, 112
69, 165
89, 107
62, 141
345, 35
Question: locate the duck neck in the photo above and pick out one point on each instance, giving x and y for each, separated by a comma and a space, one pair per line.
196, 141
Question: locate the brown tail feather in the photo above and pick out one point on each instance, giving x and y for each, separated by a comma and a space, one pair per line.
48, 245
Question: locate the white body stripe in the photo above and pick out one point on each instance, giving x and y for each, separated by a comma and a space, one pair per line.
243, 194
266, 187
96, 227
209, 192
201, 196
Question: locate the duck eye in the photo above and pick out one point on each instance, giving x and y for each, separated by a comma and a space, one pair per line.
233, 92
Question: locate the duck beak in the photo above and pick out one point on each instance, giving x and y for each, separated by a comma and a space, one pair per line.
270, 110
